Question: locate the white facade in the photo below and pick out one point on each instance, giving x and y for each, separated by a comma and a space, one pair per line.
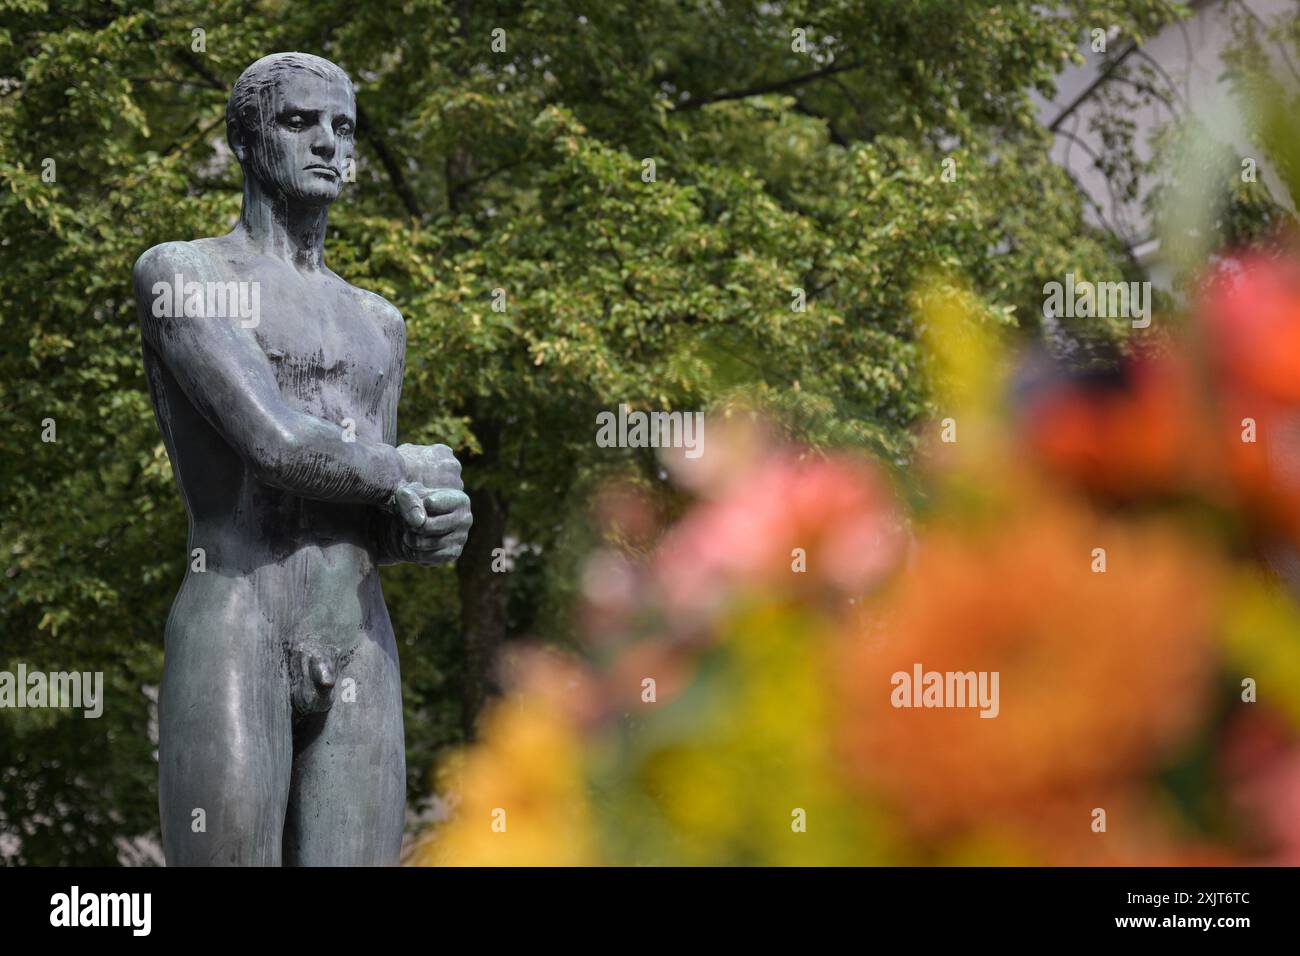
1187, 75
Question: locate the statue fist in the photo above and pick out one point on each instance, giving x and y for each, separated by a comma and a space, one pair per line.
433, 466
433, 505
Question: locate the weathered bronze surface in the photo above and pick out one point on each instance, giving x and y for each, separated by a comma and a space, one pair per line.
275, 385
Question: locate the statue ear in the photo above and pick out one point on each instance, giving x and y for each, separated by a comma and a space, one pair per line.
238, 139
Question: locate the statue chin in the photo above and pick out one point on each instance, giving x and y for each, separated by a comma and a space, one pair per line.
320, 193
308, 189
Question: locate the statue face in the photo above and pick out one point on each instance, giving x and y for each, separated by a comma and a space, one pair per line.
305, 140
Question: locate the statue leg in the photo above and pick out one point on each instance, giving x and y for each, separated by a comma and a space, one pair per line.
347, 800
225, 738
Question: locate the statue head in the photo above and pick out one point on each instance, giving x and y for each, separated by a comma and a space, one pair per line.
290, 121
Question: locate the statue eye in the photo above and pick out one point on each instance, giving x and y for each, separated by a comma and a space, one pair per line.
343, 128
295, 121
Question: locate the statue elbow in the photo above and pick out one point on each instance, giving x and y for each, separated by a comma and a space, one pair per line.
276, 456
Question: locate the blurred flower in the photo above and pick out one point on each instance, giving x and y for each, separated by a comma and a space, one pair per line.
1212, 412
1101, 673
793, 526
1261, 760
626, 513
1251, 313
739, 439
1125, 434
522, 797
565, 685
1261, 640
733, 698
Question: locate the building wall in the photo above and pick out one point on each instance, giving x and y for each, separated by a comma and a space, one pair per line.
1186, 61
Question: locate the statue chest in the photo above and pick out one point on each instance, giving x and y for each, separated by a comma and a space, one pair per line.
330, 361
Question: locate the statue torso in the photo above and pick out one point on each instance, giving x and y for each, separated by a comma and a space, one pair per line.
337, 354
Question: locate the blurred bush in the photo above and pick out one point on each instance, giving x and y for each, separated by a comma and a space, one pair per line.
1105, 546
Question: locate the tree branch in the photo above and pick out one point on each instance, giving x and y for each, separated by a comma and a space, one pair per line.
391, 166
779, 86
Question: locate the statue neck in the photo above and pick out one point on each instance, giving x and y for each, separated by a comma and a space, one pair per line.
279, 227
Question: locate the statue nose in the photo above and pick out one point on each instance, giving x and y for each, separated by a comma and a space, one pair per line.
325, 143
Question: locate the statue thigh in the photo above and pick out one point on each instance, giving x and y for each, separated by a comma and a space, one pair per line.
225, 749
242, 781
347, 799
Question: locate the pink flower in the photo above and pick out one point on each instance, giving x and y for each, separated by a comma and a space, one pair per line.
792, 525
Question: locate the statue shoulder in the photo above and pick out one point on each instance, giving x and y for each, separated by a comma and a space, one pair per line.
376, 306
161, 263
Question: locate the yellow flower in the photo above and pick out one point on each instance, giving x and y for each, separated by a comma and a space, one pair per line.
521, 795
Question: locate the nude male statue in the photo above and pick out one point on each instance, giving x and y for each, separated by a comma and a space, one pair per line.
280, 712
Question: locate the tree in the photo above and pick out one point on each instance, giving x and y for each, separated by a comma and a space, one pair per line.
575, 207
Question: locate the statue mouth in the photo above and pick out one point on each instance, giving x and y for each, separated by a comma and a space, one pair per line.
334, 173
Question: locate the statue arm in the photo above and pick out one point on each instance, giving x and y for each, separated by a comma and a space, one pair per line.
225, 373
388, 528
435, 469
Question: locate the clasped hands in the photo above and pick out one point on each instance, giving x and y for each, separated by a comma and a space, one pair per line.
432, 505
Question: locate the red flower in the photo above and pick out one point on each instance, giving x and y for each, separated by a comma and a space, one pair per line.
1132, 435
1251, 311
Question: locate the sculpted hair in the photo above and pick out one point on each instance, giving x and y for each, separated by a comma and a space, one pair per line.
244, 108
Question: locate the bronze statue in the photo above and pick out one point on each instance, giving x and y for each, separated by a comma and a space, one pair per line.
275, 385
